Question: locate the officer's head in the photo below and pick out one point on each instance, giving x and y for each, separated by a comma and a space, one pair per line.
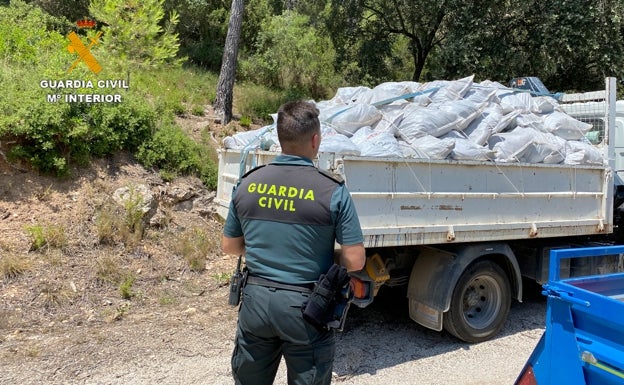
299, 129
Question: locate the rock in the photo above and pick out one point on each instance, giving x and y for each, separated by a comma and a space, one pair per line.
204, 204
159, 219
178, 192
138, 195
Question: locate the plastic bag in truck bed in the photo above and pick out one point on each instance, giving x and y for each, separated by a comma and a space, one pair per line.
413, 120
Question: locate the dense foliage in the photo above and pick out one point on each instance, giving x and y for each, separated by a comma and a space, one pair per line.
38, 125
296, 49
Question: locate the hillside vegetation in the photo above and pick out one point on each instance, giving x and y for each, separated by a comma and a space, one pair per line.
71, 252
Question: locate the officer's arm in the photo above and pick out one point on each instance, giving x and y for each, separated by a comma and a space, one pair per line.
353, 257
233, 246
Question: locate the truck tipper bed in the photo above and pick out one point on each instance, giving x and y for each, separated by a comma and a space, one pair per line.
459, 234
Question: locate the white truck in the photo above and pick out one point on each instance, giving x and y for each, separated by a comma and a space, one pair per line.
461, 235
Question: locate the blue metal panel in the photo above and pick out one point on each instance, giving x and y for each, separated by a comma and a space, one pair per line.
584, 338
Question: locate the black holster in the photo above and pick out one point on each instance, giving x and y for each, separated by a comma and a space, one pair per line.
329, 301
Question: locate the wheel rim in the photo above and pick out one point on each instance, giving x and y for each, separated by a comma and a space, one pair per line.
481, 301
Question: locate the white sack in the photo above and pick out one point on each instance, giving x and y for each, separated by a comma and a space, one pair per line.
545, 148
510, 146
389, 122
380, 144
544, 104
242, 139
421, 99
449, 89
481, 95
348, 120
360, 135
563, 125
484, 125
466, 111
507, 123
522, 101
432, 121
582, 153
432, 147
339, 144
348, 95
465, 149
333, 141
327, 110
529, 119
386, 91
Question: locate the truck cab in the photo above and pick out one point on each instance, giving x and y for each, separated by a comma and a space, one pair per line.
530, 83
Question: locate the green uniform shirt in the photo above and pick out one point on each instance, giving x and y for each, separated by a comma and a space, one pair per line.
291, 214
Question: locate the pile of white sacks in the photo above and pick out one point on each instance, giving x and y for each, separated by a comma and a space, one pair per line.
459, 120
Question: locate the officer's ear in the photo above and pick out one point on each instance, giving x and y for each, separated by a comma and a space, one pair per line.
316, 141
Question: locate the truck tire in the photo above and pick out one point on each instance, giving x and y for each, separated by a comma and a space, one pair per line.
480, 303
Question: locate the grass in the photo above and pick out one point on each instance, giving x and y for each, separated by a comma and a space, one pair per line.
188, 90
13, 266
222, 278
51, 236
125, 287
256, 102
99, 265
193, 246
179, 90
108, 270
123, 221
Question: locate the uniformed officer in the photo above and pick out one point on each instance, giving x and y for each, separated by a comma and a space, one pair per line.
285, 218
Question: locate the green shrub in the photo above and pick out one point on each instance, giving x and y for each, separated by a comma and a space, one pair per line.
125, 287
52, 236
172, 151
51, 135
123, 126
292, 54
194, 245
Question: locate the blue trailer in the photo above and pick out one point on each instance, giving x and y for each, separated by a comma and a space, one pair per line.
584, 338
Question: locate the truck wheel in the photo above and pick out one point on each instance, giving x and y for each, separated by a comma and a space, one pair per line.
480, 303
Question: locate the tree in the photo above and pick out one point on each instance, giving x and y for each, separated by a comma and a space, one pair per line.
569, 44
420, 22
291, 55
133, 34
225, 85
202, 30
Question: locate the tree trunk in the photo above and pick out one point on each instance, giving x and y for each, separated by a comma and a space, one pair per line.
225, 85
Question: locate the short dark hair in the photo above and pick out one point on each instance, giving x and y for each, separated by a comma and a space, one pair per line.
297, 121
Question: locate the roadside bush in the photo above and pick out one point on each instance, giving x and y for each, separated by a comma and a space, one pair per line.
171, 151
44, 129
123, 126
39, 126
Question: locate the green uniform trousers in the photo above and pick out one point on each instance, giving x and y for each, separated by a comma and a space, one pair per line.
270, 325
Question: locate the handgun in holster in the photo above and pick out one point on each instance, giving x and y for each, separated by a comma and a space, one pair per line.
327, 306
237, 282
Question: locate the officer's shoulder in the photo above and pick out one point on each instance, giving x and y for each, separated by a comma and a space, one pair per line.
252, 170
335, 178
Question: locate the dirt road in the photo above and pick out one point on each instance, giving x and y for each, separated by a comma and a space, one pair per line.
379, 345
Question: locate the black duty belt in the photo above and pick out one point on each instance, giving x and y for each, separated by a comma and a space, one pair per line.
254, 280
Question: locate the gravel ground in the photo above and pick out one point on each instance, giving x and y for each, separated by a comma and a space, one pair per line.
379, 345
